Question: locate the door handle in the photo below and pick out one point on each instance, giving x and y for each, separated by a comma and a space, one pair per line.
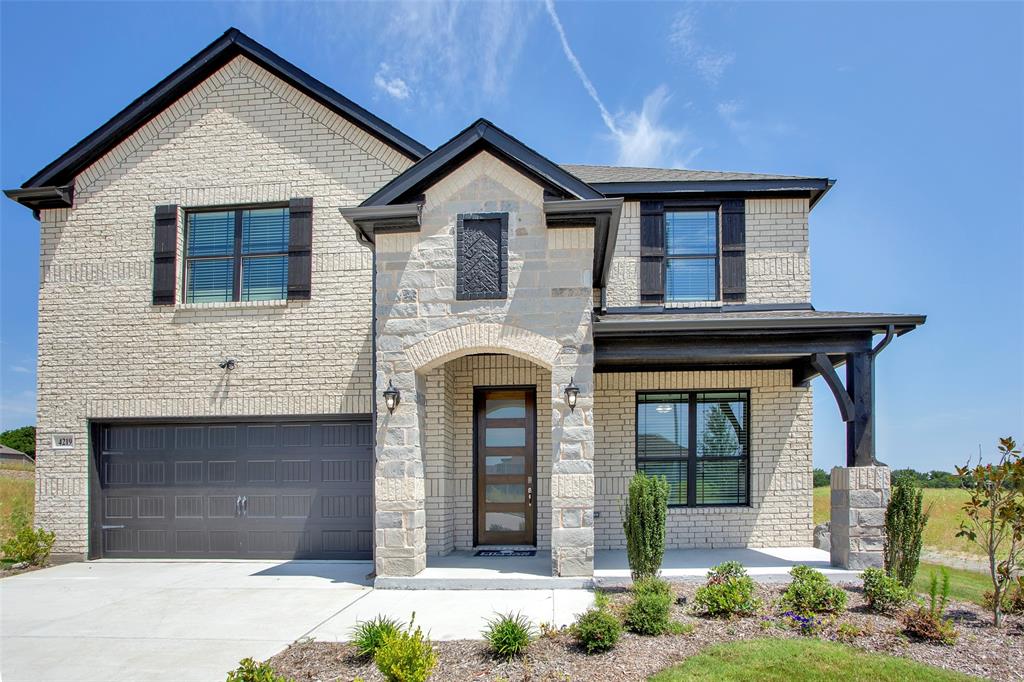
529, 496
245, 506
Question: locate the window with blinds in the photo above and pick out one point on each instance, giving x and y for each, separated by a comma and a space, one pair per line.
237, 255
691, 256
699, 441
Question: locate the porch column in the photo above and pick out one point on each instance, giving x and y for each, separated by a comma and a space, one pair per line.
859, 498
400, 536
860, 430
572, 474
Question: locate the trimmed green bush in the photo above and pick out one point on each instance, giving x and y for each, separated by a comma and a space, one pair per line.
643, 521
508, 635
729, 591
249, 670
884, 593
26, 544
904, 530
810, 592
648, 612
597, 630
369, 635
406, 656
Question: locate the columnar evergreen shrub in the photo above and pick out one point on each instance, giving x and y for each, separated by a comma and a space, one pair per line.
904, 527
643, 521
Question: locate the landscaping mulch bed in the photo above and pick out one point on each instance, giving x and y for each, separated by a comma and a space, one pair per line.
981, 650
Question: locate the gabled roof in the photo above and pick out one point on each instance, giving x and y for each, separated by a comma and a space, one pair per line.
233, 43
481, 134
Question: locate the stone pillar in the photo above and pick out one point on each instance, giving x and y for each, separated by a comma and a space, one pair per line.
400, 535
572, 473
860, 496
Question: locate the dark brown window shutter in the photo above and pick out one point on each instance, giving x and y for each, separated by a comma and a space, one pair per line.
300, 248
652, 251
734, 251
165, 251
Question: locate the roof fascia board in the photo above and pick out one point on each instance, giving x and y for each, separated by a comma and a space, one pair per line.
607, 213
680, 324
191, 73
371, 220
814, 188
486, 133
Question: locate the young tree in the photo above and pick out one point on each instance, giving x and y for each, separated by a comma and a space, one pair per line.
643, 521
904, 528
995, 516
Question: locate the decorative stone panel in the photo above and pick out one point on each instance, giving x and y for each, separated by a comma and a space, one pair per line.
860, 496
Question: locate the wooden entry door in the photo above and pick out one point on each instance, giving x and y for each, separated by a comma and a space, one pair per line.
505, 439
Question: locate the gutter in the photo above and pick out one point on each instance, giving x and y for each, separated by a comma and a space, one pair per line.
39, 198
606, 214
901, 324
369, 220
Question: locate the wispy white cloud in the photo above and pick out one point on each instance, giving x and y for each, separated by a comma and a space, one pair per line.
641, 138
747, 130
708, 62
20, 369
391, 85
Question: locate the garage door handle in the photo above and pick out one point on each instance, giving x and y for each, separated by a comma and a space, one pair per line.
111, 527
245, 506
238, 506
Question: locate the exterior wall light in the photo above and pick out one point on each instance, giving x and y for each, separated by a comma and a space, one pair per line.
572, 391
228, 364
392, 396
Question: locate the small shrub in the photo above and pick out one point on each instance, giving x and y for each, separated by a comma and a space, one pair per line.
249, 670
508, 635
597, 630
406, 656
369, 636
729, 591
31, 545
904, 528
677, 628
848, 632
601, 599
1013, 599
930, 623
810, 592
884, 593
643, 521
648, 612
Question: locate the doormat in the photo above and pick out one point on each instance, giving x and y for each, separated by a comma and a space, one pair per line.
506, 552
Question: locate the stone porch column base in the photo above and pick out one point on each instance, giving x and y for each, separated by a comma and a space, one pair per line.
860, 496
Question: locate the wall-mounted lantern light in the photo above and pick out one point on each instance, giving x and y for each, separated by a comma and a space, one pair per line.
572, 391
228, 364
392, 396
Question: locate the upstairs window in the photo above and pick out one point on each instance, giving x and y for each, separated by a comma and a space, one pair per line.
691, 255
698, 441
236, 255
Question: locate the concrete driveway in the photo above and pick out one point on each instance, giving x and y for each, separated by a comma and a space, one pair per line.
153, 620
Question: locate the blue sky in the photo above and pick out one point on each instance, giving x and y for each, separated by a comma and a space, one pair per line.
916, 108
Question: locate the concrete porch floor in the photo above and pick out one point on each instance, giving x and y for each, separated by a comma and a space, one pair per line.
464, 571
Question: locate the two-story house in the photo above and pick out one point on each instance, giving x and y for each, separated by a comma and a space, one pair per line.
271, 325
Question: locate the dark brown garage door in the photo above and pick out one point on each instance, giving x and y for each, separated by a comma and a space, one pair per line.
252, 490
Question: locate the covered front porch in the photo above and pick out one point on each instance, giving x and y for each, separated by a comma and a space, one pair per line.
463, 570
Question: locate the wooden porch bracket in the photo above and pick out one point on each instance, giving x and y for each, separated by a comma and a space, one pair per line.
821, 364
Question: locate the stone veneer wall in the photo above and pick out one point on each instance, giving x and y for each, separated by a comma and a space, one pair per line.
241, 136
545, 318
778, 255
448, 456
780, 513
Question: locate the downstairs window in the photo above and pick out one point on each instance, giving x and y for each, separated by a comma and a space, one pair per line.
699, 441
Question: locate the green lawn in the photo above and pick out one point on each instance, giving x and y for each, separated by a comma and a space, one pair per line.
963, 585
943, 524
764, 660
13, 491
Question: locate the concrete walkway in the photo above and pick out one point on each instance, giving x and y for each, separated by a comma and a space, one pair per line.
157, 620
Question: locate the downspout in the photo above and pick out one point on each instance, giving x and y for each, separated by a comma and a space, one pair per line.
373, 392
890, 332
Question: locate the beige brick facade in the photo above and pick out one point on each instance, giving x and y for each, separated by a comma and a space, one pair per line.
778, 255
780, 461
104, 351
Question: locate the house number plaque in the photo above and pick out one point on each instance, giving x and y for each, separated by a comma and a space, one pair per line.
63, 441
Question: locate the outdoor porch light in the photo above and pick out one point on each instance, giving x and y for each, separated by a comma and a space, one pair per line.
392, 396
572, 391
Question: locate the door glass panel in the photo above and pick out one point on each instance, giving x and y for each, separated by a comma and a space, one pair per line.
506, 408
505, 493
505, 521
497, 464
514, 437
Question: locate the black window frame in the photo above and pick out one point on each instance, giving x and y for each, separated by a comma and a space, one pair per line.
713, 208
236, 256
691, 461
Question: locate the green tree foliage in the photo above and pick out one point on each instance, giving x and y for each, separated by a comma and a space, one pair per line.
904, 529
822, 478
21, 439
994, 517
719, 438
643, 521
